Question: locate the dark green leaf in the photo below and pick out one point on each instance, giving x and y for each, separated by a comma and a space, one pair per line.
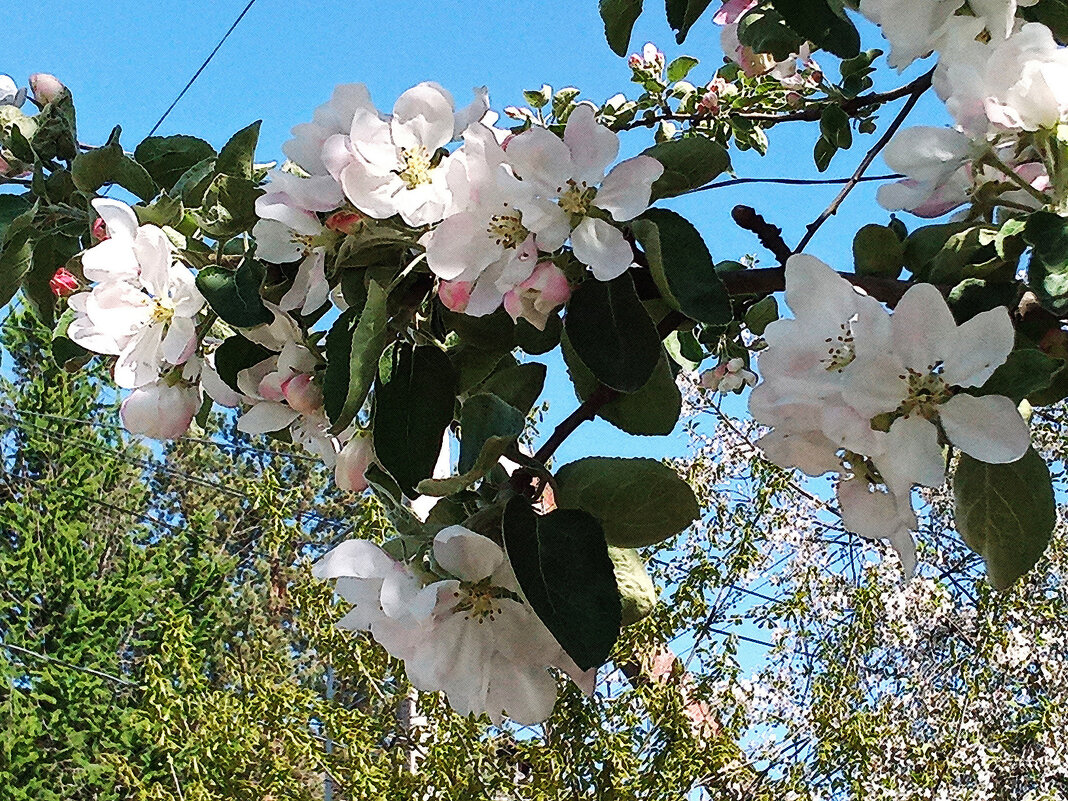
651, 411
878, 251
352, 353
229, 207
16, 258
238, 155
765, 31
563, 567
536, 342
235, 355
1005, 513
519, 385
1047, 233
761, 315
816, 21
1051, 13
64, 349
1025, 372
412, 410
235, 294
689, 162
682, 14
110, 165
50, 252
639, 502
612, 333
974, 295
168, 158
162, 211
194, 183
682, 267
11, 207
619, 17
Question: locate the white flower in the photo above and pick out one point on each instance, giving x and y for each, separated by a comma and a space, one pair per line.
537, 297
879, 514
334, 117
729, 376
391, 167
372, 581
352, 463
571, 171
144, 307
916, 376
10, 93
160, 410
935, 164
914, 28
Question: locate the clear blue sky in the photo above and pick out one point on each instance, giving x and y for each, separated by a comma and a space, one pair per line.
127, 59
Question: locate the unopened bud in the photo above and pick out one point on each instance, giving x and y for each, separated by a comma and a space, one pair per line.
45, 87
455, 295
100, 230
63, 283
352, 463
302, 394
344, 222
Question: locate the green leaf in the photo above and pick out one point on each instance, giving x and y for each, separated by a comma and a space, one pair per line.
680, 67
561, 561
925, 243
639, 502
536, 342
689, 162
973, 296
235, 355
684, 350
1047, 233
238, 155
636, 591
762, 314
50, 252
834, 127
619, 17
612, 333
11, 208
168, 158
816, 21
682, 14
764, 30
229, 207
1026, 372
1051, 13
110, 165
194, 183
353, 347
235, 294
64, 349
878, 251
823, 153
519, 385
162, 211
682, 267
488, 427
15, 261
412, 410
1005, 513
651, 411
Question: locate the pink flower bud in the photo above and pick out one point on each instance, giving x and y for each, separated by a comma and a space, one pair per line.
45, 87
270, 386
634, 61
352, 463
536, 298
344, 222
302, 393
100, 230
455, 295
63, 283
160, 411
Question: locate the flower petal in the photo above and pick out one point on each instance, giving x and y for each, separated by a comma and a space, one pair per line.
602, 248
924, 328
540, 156
465, 554
913, 455
360, 559
120, 219
593, 147
627, 188
982, 344
987, 428
423, 117
266, 417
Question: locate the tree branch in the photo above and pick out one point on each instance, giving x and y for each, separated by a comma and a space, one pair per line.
919, 86
791, 182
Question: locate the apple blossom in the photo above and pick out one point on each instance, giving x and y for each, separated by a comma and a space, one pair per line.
10, 93
539, 295
144, 306
63, 282
333, 117
352, 463
571, 172
914, 28
649, 64
729, 376
45, 87
161, 410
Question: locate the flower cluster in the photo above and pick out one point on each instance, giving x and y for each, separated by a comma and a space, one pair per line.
851, 390
1003, 81
464, 629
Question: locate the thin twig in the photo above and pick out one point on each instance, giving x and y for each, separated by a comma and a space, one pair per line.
790, 182
919, 86
45, 658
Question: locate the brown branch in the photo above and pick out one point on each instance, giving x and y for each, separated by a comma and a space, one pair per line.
808, 114
791, 182
919, 86
767, 280
770, 236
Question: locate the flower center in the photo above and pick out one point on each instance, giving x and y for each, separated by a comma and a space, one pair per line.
479, 601
161, 311
416, 166
578, 198
926, 391
508, 229
841, 350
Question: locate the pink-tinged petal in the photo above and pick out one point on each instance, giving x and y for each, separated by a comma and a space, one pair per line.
459, 244
455, 295
360, 559
982, 344
627, 188
371, 192
602, 248
280, 208
423, 117
86, 334
593, 146
913, 455
110, 260
337, 154
924, 328
118, 309
550, 224
310, 288
927, 153
732, 10
371, 140
217, 389
352, 464
465, 554
160, 411
486, 297
139, 362
988, 428
266, 417
809, 451
120, 219
154, 254
539, 156
175, 348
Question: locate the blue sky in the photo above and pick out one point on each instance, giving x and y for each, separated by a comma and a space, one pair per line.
127, 64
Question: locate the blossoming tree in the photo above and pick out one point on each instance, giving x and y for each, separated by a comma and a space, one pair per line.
375, 297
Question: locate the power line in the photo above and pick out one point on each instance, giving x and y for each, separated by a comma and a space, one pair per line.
202, 67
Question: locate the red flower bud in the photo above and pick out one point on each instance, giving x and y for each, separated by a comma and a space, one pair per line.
344, 222
63, 283
100, 230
